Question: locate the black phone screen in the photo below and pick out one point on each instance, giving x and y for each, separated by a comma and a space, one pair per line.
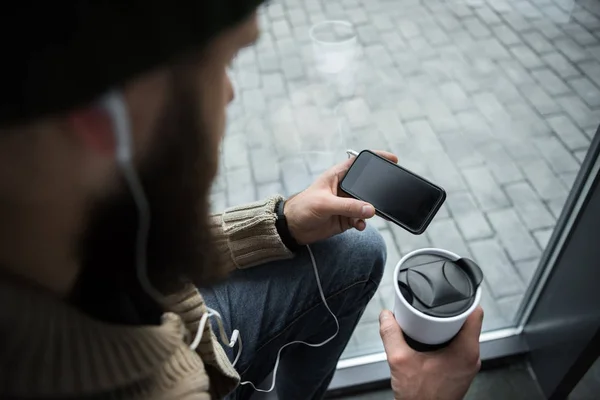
393, 191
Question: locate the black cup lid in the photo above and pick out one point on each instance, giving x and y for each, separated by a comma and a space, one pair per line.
438, 286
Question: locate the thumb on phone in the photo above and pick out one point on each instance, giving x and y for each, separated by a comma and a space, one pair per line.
395, 346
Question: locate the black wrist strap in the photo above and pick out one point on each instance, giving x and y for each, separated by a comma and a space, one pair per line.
282, 228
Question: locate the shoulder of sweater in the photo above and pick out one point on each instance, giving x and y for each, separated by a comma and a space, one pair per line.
50, 349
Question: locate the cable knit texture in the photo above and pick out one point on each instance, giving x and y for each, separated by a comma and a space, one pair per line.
48, 349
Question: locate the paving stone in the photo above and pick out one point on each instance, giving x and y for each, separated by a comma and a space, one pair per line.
570, 134
558, 157
269, 189
490, 107
379, 54
292, 68
444, 173
461, 150
316, 17
579, 34
528, 10
235, 152
474, 226
513, 235
486, 190
455, 96
240, 187
556, 205
527, 269
296, 176
248, 79
275, 10
461, 11
560, 65
273, 84
286, 46
543, 236
382, 22
444, 234
448, 21
257, 132
269, 61
498, 270
505, 91
517, 22
542, 179
538, 42
334, 10
254, 100
551, 83
440, 116
297, 16
408, 29
500, 163
474, 127
540, 100
531, 209
476, 28
493, 49
461, 203
586, 18
493, 318
515, 72
526, 56
393, 256
568, 178
591, 132
409, 109
357, 16
408, 242
265, 165
574, 52
388, 123
368, 339
443, 212
580, 155
357, 113
368, 35
506, 35
586, 90
548, 28
436, 36
393, 41
421, 47
509, 306
423, 137
556, 14
218, 202
488, 16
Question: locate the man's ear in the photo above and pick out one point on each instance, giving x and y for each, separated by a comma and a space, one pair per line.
92, 128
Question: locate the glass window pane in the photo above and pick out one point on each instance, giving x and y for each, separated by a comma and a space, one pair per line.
494, 100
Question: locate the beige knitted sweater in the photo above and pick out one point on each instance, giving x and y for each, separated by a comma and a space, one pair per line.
49, 349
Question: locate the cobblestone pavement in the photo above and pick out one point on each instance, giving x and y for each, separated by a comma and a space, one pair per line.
495, 100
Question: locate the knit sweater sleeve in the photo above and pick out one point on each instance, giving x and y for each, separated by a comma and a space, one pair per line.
246, 235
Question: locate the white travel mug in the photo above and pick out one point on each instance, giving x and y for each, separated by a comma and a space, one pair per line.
435, 291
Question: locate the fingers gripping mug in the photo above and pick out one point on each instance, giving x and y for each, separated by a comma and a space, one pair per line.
435, 291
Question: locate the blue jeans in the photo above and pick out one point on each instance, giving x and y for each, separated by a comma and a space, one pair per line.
279, 302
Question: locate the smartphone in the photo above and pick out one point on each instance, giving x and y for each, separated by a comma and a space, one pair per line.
397, 194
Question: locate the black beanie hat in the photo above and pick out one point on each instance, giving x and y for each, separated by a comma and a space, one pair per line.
58, 54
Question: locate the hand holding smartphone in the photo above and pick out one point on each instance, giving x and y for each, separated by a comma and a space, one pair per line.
397, 194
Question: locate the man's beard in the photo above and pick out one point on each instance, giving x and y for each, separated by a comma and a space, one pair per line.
176, 177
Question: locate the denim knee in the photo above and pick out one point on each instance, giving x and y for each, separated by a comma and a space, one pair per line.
371, 250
